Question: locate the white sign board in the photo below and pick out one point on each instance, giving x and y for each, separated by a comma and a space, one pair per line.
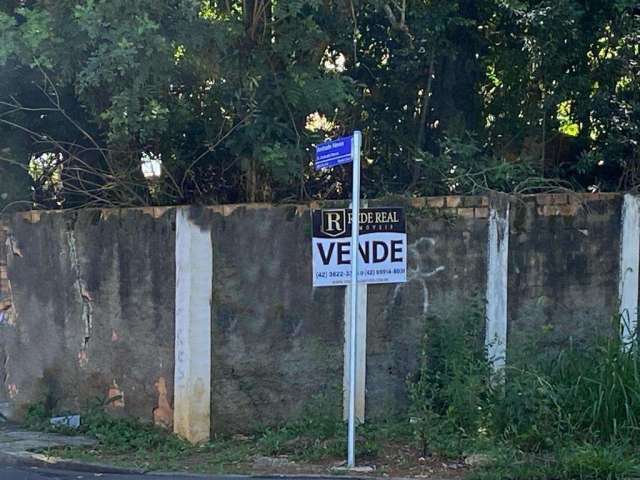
382, 246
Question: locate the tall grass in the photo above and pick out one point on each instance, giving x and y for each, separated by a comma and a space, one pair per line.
563, 403
586, 393
600, 390
449, 391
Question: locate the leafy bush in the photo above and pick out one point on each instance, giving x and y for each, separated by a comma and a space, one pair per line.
526, 414
450, 391
36, 416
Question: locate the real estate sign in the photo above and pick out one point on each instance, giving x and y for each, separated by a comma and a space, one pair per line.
382, 246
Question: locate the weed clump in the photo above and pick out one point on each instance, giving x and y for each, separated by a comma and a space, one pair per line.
317, 433
115, 434
449, 393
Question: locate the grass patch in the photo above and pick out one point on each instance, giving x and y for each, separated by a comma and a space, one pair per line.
317, 437
572, 462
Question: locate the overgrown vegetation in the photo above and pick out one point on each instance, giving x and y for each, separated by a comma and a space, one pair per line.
565, 411
116, 434
572, 413
451, 389
223, 101
316, 436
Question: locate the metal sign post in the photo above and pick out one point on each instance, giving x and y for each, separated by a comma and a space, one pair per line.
355, 230
328, 155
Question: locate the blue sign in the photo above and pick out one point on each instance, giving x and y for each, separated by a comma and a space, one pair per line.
333, 153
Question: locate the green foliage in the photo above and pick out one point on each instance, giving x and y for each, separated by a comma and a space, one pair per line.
452, 96
576, 462
583, 391
320, 433
450, 392
527, 416
37, 416
115, 434
569, 413
589, 461
463, 166
604, 398
317, 433
127, 434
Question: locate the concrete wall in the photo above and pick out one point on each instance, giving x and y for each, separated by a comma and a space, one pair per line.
563, 267
92, 309
89, 301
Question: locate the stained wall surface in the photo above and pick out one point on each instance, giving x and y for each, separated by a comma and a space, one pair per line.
87, 300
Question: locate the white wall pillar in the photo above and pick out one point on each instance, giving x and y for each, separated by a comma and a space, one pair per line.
497, 284
629, 264
361, 351
194, 283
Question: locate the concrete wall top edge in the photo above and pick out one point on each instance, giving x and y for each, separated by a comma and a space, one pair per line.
452, 203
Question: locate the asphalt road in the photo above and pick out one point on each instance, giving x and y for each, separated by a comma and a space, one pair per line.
28, 473
32, 473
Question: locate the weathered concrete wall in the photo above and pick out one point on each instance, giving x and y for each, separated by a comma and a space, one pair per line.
92, 298
92, 309
563, 267
447, 255
276, 342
